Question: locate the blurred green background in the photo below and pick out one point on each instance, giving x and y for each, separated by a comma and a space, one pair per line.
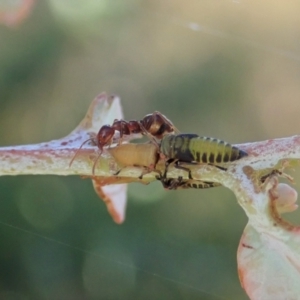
226, 69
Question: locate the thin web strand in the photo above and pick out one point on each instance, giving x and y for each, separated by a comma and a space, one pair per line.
109, 259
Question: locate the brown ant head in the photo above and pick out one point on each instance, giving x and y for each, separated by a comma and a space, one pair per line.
157, 124
134, 127
104, 136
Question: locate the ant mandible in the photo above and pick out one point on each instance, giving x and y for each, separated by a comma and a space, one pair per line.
156, 124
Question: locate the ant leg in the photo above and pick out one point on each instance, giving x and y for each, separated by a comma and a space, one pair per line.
168, 183
178, 166
221, 168
167, 164
118, 172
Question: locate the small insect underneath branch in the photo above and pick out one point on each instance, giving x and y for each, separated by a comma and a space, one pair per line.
180, 183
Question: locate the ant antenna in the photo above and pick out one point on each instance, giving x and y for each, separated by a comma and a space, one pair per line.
77, 151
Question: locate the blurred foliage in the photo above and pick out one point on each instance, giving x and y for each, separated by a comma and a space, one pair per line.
235, 77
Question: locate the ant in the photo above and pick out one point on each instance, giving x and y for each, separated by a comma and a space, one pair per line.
155, 125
